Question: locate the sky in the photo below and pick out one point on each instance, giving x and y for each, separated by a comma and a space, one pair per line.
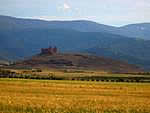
109, 12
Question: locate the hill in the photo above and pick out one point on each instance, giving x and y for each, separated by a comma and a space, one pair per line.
25, 43
22, 38
119, 55
12, 23
140, 31
77, 61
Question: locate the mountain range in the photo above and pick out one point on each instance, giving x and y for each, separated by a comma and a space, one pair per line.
140, 30
20, 38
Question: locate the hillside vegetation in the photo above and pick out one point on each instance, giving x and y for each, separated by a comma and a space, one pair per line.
77, 61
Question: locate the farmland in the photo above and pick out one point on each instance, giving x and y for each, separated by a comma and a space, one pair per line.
74, 74
48, 96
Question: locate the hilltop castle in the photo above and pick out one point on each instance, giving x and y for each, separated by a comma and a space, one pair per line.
49, 50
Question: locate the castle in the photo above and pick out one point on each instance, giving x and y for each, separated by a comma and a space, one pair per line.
49, 50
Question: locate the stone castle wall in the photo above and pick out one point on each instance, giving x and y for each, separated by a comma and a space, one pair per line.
49, 50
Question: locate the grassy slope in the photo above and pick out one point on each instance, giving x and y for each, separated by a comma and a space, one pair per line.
77, 61
35, 96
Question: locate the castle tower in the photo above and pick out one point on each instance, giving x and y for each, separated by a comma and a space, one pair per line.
55, 50
49, 50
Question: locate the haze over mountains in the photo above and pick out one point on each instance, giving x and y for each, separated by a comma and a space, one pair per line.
141, 30
21, 38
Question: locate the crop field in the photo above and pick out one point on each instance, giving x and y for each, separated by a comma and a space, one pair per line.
47, 96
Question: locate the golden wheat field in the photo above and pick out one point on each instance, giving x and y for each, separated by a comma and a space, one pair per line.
37, 96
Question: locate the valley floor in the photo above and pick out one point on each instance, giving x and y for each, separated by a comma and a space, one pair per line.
43, 96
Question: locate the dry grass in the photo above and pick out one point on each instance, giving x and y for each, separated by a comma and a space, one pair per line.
35, 96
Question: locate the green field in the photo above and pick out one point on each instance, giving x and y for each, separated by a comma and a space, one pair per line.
43, 96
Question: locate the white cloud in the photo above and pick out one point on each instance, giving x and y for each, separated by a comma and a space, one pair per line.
66, 6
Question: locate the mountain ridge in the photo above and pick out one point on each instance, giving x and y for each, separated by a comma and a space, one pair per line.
81, 25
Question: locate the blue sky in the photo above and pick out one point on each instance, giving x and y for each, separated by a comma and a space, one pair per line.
110, 12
